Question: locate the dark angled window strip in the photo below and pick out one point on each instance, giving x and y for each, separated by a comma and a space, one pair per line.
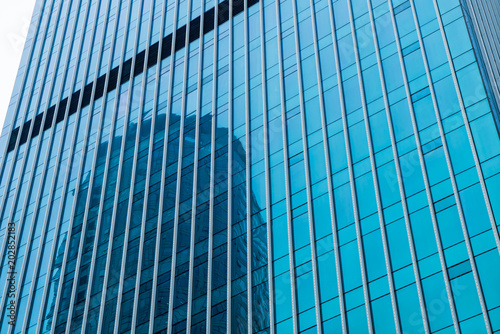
180, 42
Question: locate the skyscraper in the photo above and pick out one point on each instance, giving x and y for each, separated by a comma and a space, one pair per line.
292, 166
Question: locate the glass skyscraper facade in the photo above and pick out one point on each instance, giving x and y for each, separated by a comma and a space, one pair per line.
253, 166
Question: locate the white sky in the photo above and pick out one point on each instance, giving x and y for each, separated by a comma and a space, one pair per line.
15, 18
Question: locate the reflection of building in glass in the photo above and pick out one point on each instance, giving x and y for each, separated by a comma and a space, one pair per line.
321, 166
199, 279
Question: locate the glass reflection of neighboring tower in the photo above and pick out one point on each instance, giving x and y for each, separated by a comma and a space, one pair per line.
219, 270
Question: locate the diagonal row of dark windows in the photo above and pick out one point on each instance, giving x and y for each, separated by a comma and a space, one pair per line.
195, 32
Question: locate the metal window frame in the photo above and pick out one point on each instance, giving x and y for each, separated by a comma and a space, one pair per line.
194, 203
307, 169
288, 200
179, 173
265, 119
248, 174
164, 162
212, 174
230, 172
